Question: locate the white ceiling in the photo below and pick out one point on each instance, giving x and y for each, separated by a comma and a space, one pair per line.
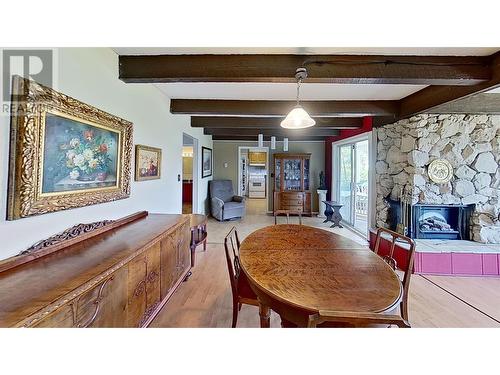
445, 51
285, 91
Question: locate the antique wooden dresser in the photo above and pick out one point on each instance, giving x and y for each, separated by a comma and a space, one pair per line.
105, 274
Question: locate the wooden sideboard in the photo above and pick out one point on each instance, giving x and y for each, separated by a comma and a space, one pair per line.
105, 274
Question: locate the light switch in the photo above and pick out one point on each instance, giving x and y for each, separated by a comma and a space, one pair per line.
225, 165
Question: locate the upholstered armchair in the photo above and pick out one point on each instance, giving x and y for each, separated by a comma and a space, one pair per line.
224, 204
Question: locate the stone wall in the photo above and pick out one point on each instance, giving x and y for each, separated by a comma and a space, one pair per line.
471, 143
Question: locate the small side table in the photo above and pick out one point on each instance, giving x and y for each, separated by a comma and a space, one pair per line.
332, 213
198, 234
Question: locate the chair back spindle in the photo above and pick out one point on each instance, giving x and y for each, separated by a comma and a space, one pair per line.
287, 213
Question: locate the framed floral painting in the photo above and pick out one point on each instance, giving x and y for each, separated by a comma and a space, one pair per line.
147, 163
64, 153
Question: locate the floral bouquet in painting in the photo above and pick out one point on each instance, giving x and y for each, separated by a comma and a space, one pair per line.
87, 156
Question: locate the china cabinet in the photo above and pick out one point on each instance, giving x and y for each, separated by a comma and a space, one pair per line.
292, 182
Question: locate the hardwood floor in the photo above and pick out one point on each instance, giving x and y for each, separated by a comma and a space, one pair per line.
205, 299
187, 208
434, 301
481, 292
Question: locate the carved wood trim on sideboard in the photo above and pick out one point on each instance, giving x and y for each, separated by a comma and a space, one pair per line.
71, 236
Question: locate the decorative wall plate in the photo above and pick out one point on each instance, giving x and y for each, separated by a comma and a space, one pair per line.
440, 171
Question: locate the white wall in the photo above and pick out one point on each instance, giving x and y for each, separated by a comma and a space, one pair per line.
91, 75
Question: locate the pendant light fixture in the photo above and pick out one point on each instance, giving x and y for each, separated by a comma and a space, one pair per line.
260, 140
298, 118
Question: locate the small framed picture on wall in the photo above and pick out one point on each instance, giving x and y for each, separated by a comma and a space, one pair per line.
147, 163
206, 162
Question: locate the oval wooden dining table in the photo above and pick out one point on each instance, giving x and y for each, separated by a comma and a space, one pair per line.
297, 270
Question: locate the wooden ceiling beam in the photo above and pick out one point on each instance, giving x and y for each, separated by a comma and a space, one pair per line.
279, 108
269, 132
430, 98
478, 103
271, 122
345, 69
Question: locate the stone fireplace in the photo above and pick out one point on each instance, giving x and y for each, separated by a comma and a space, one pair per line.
470, 143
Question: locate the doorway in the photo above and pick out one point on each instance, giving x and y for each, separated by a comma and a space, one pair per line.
189, 174
253, 178
352, 181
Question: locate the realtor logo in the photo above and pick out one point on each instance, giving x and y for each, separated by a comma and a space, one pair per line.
34, 64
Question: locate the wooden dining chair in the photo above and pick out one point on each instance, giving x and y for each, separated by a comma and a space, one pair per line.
405, 261
287, 213
356, 319
241, 291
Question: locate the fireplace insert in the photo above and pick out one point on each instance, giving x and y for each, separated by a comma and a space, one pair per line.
440, 221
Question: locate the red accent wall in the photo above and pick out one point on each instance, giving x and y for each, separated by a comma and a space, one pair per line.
187, 192
344, 133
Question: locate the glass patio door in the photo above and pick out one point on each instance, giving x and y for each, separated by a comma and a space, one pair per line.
361, 186
352, 191
345, 191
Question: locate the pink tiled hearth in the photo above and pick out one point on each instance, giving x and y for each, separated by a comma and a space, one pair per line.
464, 258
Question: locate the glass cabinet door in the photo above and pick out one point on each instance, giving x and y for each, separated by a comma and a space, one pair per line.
292, 174
306, 174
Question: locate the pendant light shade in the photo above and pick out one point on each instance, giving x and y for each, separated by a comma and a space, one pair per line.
298, 118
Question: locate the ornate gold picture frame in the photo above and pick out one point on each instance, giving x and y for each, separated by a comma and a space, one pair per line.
147, 163
63, 153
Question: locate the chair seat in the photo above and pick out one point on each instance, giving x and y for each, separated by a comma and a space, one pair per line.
233, 205
244, 289
234, 209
